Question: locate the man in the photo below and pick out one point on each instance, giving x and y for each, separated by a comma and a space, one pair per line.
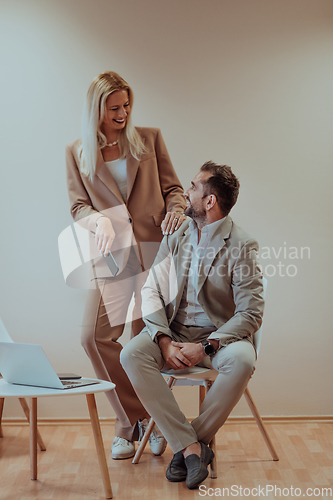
202, 303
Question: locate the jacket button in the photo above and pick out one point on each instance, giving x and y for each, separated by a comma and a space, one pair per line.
130, 220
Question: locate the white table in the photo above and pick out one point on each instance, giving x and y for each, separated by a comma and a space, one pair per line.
23, 391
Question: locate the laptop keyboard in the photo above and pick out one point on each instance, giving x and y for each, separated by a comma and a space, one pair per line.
71, 382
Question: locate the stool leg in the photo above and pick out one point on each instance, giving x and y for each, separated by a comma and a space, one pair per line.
260, 424
144, 442
213, 465
171, 381
99, 444
33, 438
202, 394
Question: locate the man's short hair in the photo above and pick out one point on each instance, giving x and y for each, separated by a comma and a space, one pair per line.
223, 184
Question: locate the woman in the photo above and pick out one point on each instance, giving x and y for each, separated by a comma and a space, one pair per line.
124, 191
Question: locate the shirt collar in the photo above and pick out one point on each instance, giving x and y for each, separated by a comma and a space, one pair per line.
208, 230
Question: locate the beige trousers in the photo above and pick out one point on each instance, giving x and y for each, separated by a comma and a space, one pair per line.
103, 324
142, 361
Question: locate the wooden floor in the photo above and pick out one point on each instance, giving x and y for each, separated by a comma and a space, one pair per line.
68, 470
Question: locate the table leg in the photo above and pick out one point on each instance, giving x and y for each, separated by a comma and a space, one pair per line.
2, 401
33, 438
99, 444
25, 408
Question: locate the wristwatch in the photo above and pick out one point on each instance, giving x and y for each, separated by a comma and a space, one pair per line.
208, 348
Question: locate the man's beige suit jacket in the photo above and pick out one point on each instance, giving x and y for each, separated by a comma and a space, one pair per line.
229, 283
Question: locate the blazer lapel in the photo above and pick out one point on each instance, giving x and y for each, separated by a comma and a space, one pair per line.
215, 245
182, 261
132, 170
106, 177
184, 255
132, 165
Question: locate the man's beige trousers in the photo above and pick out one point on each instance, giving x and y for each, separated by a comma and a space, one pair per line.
142, 361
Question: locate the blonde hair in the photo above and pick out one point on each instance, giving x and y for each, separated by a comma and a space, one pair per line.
92, 137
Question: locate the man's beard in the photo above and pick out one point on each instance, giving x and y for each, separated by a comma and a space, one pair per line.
196, 215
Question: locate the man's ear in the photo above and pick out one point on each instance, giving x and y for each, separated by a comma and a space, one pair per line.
211, 201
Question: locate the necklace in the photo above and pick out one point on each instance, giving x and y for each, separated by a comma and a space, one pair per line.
111, 144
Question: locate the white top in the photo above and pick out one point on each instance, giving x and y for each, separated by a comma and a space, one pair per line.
118, 169
24, 391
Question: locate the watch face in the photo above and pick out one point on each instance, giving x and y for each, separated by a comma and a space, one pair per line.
208, 348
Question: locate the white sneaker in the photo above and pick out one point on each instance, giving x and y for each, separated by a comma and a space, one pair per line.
121, 448
156, 440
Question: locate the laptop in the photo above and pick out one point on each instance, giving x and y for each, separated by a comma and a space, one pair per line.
27, 364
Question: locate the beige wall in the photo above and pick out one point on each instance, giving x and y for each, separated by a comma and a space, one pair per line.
243, 82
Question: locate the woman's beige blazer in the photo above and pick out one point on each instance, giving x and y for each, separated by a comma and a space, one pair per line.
153, 189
